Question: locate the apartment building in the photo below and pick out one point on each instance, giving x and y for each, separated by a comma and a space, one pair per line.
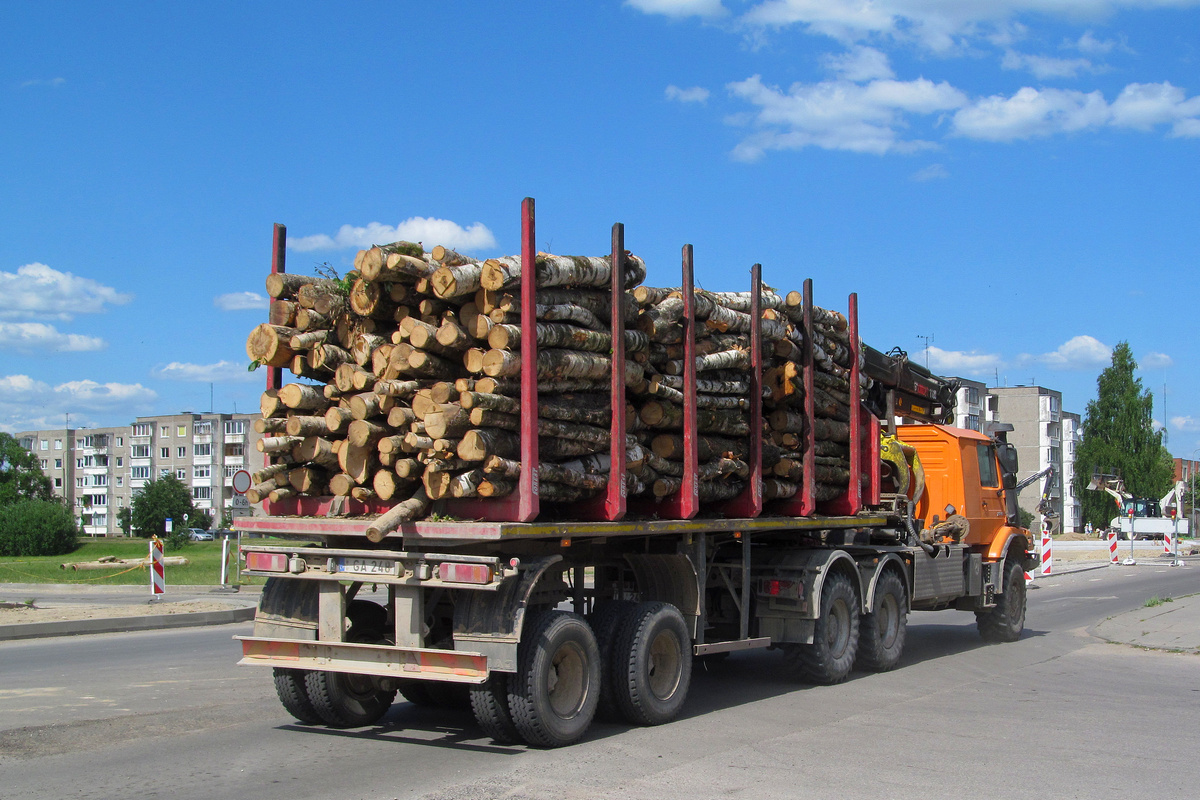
968, 408
98, 470
1036, 415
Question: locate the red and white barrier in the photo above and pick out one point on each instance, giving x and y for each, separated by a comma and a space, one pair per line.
1047, 553
158, 576
1112, 547
1169, 543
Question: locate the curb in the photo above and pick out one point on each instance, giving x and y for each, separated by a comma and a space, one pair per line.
42, 630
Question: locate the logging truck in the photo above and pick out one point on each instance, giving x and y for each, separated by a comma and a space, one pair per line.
662, 476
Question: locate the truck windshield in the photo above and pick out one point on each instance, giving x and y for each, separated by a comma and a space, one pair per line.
1143, 507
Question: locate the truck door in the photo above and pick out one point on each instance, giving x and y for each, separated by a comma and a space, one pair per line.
991, 513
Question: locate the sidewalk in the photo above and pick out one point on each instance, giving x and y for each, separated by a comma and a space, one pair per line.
69, 610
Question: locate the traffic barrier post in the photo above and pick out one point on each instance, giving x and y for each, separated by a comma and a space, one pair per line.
158, 576
1112, 547
1047, 553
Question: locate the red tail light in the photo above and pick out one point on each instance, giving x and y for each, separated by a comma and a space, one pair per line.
267, 562
464, 573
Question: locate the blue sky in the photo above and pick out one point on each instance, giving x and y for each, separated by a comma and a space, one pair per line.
1013, 181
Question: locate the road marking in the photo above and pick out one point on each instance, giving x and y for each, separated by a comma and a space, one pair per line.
41, 691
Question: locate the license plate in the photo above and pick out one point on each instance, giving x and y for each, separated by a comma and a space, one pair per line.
368, 566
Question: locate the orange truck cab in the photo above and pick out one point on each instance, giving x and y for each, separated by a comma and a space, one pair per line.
974, 474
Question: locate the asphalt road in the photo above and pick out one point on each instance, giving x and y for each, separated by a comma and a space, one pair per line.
1057, 714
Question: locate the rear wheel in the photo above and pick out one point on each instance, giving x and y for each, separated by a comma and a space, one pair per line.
881, 633
830, 657
293, 693
1005, 622
347, 700
489, 702
554, 692
606, 621
652, 664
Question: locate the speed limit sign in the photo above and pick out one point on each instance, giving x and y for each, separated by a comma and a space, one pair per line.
241, 481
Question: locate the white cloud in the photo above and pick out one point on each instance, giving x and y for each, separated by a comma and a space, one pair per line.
39, 292
51, 82
696, 94
680, 8
27, 404
1154, 360
958, 362
241, 301
31, 337
1079, 352
220, 372
1186, 424
1029, 113
1089, 44
427, 230
839, 115
931, 173
860, 64
1143, 106
1044, 67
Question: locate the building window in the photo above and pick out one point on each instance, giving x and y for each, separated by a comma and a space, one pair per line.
120, 461
164, 431
234, 450
120, 441
235, 427
143, 429
58, 463
44, 444
139, 473
231, 470
79, 482
43, 463
202, 449
202, 429
181, 474
202, 492
203, 471
100, 480
120, 480
79, 463
99, 499
140, 451
181, 430
58, 483
164, 452
181, 452
58, 444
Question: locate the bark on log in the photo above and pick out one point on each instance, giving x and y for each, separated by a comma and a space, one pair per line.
307, 426
452, 421
477, 445
338, 418
447, 257
340, 485
268, 345
364, 433
309, 319
277, 444
410, 509
271, 425
317, 450
299, 396
431, 366
456, 281
306, 340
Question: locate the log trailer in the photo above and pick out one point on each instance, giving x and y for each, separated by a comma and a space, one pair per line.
543, 618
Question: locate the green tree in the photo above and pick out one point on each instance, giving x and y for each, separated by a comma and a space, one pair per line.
160, 500
1119, 439
125, 520
37, 528
20, 476
200, 519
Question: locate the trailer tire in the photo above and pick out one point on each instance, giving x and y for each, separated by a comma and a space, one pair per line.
293, 693
652, 664
555, 690
881, 633
606, 620
830, 658
489, 703
1005, 622
347, 700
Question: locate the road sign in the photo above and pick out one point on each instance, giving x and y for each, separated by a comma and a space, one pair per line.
239, 501
242, 481
169, 524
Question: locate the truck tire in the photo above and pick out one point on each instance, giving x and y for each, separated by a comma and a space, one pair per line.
881, 633
830, 658
606, 620
652, 664
554, 692
347, 700
293, 693
1005, 622
489, 703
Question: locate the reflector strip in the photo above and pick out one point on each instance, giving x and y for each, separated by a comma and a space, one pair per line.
267, 562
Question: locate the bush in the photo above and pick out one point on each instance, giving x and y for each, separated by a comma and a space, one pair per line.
37, 528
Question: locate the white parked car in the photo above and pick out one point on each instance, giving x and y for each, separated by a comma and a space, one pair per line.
198, 535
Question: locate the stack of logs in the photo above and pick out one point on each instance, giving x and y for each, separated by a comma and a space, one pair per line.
412, 367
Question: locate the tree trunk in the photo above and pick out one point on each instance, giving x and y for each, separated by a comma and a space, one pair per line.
406, 511
338, 418
457, 280
431, 366
451, 422
268, 345
307, 426
271, 425
277, 444
302, 397
491, 402
480, 443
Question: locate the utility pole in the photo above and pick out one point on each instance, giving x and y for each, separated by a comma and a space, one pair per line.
928, 341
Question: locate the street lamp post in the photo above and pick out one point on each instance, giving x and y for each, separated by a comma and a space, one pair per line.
1192, 530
